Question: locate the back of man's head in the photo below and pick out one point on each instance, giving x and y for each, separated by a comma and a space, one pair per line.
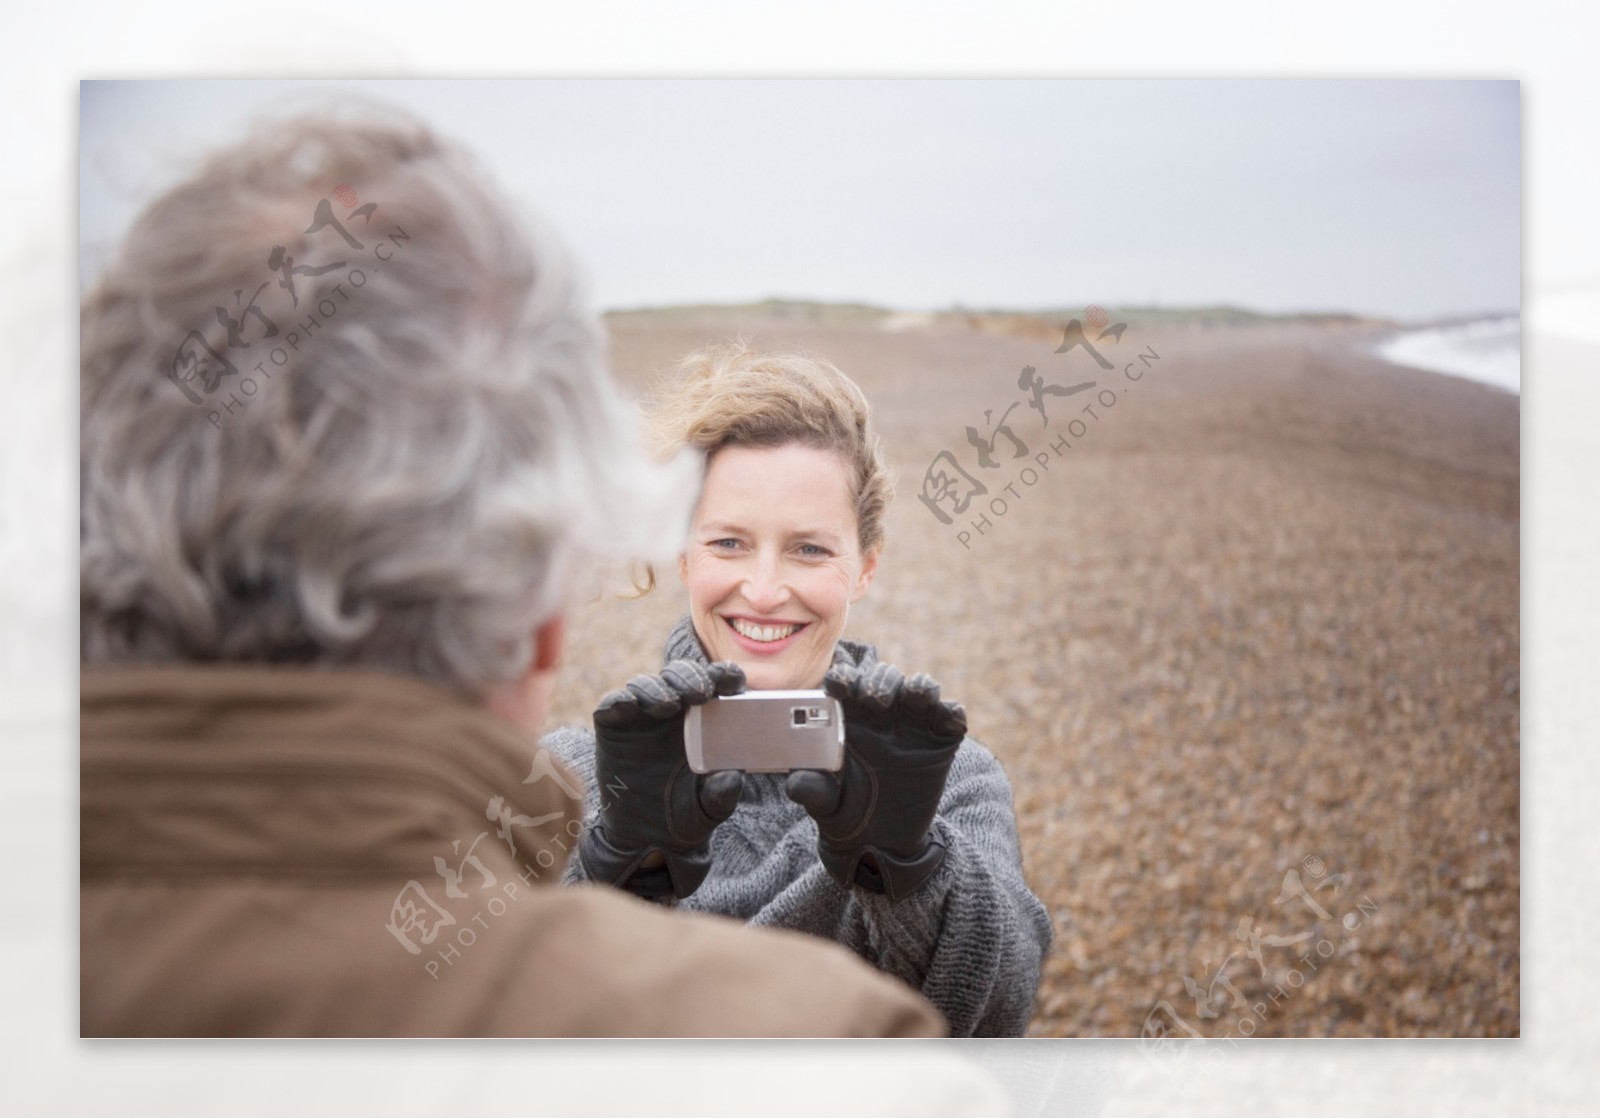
340, 407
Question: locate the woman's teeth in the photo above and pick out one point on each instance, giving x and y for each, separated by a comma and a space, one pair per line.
762, 633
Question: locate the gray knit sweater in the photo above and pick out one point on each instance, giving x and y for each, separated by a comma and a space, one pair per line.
972, 939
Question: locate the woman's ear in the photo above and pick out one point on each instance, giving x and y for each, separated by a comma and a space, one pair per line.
869, 568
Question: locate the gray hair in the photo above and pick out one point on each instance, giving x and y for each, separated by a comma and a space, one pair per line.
402, 464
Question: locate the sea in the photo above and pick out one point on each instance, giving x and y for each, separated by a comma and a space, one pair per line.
1488, 350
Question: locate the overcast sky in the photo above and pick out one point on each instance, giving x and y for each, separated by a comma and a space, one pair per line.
1399, 199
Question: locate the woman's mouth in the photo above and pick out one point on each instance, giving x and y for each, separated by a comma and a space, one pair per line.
764, 638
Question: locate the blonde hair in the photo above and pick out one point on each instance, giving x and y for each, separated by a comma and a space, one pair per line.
733, 396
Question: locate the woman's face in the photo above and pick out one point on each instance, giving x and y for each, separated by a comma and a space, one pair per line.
774, 562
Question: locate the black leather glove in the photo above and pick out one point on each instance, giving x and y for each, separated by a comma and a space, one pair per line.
899, 743
650, 800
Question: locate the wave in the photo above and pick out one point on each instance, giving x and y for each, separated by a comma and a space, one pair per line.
1485, 350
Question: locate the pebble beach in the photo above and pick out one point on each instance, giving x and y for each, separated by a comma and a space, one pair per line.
1244, 631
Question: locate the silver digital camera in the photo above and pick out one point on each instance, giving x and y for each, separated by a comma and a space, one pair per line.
766, 732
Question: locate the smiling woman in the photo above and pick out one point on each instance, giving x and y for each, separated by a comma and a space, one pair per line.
908, 853
773, 562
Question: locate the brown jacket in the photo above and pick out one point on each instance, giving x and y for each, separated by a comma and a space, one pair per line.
281, 851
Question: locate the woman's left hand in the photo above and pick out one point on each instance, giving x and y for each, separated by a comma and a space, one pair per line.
875, 816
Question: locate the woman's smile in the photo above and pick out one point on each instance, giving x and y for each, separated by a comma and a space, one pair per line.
764, 638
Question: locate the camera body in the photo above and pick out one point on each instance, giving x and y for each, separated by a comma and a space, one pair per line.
766, 732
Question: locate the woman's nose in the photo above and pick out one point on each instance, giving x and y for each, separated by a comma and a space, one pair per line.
764, 586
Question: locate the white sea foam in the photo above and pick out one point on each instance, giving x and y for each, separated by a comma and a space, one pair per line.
1485, 350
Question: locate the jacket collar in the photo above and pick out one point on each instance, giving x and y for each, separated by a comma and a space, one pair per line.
192, 769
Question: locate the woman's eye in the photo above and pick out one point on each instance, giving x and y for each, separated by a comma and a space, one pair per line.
814, 551
725, 544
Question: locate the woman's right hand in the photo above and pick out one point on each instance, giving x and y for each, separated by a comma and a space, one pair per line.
650, 800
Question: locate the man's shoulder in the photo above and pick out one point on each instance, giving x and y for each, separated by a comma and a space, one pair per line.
519, 959
633, 968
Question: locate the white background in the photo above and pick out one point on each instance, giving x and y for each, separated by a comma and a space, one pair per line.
47, 50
